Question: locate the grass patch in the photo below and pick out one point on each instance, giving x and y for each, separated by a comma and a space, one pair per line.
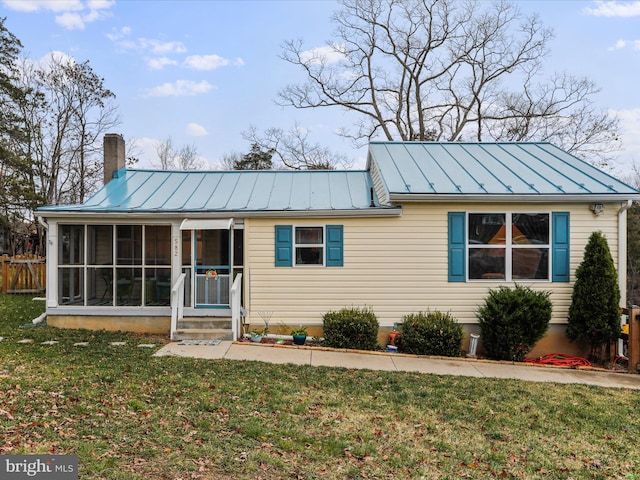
128, 415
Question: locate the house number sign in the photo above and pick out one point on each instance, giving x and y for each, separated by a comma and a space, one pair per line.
176, 246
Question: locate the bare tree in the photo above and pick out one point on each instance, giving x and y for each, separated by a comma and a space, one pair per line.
294, 150
229, 160
187, 158
166, 154
66, 114
133, 151
442, 70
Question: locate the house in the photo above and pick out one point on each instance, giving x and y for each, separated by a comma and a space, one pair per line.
424, 226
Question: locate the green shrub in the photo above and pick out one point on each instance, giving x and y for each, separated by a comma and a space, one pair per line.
431, 333
594, 313
512, 321
354, 328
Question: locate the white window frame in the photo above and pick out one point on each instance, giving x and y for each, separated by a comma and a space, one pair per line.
509, 246
322, 246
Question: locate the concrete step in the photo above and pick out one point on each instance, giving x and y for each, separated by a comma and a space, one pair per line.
203, 334
188, 323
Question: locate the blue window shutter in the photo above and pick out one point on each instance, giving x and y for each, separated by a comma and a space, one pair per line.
560, 247
334, 246
284, 245
457, 247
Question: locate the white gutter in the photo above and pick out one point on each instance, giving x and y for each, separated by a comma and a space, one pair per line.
622, 252
101, 215
510, 198
43, 222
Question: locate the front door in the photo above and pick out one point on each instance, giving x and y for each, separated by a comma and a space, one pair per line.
212, 267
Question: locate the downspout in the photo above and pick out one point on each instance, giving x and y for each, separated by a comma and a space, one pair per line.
622, 252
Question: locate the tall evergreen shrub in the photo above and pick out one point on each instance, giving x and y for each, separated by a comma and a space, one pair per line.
512, 321
594, 314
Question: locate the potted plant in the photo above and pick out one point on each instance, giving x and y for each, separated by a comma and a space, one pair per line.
256, 335
299, 335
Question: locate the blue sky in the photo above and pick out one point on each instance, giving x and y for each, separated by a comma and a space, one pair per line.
202, 72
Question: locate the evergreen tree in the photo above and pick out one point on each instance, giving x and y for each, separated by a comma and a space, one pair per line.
594, 313
256, 159
15, 193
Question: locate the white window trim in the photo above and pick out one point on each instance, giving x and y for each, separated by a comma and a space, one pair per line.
509, 247
323, 246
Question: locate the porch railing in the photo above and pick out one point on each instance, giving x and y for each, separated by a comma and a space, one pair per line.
236, 307
177, 304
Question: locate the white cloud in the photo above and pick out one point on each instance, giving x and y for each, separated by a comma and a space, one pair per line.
195, 130
73, 14
205, 62
179, 88
31, 6
145, 151
327, 54
160, 63
630, 131
56, 56
620, 44
156, 47
100, 4
614, 9
210, 62
119, 35
70, 21
161, 48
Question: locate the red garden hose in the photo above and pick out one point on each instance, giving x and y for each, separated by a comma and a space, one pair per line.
560, 359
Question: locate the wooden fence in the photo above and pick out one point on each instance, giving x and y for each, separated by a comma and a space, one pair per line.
23, 274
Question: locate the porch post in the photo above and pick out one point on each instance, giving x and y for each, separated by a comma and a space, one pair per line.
231, 227
176, 252
52, 265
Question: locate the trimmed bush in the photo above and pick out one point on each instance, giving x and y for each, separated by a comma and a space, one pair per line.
355, 328
594, 313
431, 333
512, 321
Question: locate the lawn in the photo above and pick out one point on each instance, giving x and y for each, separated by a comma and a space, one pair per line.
129, 415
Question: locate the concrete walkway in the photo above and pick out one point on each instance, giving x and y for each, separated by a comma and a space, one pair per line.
399, 362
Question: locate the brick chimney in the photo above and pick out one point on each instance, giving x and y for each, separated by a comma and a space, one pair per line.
113, 155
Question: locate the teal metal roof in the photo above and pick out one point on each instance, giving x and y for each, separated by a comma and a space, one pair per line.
406, 171
491, 171
140, 191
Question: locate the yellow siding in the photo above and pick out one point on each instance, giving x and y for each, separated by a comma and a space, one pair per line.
395, 266
378, 184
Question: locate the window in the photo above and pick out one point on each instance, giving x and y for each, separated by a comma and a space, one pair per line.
125, 265
508, 246
308, 245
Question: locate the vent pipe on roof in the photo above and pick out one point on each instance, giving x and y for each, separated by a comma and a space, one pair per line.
114, 158
372, 204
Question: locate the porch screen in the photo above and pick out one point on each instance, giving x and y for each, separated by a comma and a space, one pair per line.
125, 265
